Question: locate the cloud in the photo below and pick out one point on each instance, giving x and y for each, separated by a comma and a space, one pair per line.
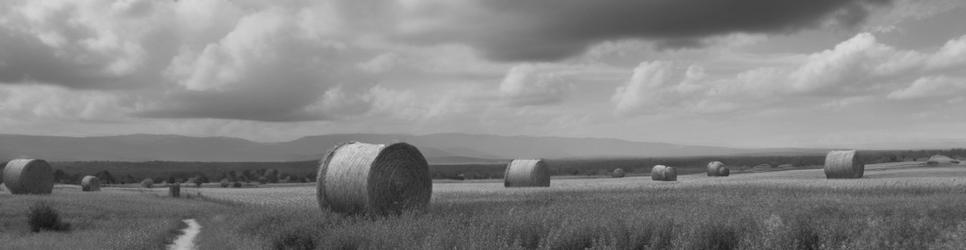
549, 30
656, 85
26, 103
858, 70
926, 87
529, 85
82, 45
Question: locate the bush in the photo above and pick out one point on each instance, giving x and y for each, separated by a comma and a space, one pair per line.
147, 183
44, 217
295, 240
236, 184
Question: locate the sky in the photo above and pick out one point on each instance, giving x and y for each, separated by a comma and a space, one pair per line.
738, 73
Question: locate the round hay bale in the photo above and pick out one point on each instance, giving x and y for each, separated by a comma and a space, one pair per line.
937, 160
147, 183
28, 176
618, 173
90, 183
526, 173
843, 165
717, 168
663, 173
373, 178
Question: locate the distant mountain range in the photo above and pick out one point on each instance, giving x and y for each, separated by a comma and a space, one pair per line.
438, 148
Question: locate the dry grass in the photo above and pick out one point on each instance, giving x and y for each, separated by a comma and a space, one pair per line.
111, 219
894, 206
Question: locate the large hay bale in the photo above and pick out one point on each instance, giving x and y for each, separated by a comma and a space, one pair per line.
526, 173
90, 183
717, 168
843, 165
373, 178
663, 173
28, 176
618, 173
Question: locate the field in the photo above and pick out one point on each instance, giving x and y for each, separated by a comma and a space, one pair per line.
895, 206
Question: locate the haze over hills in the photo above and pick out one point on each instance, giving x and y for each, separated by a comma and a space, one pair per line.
438, 148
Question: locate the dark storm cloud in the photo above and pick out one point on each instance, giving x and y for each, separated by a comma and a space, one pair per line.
547, 30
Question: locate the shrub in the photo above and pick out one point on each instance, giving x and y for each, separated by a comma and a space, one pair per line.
295, 240
44, 217
147, 183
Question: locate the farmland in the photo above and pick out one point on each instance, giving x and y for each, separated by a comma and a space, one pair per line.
896, 205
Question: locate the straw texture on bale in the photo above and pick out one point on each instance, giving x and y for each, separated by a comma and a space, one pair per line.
618, 173
526, 173
90, 183
373, 178
717, 168
663, 173
174, 189
28, 176
843, 165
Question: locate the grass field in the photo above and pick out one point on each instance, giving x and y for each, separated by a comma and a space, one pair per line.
895, 206
111, 219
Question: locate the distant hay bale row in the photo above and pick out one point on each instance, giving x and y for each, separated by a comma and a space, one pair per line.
28, 176
618, 173
717, 168
526, 173
663, 173
843, 165
373, 178
90, 183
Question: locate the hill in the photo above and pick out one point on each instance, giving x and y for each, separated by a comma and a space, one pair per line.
438, 148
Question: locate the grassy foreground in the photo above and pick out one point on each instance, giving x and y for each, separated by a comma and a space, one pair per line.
111, 219
893, 207
901, 208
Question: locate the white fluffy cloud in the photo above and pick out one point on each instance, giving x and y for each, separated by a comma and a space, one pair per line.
925, 87
527, 84
855, 69
52, 103
656, 85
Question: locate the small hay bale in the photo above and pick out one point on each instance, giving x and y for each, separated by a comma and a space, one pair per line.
843, 165
663, 173
526, 173
90, 183
717, 168
373, 178
174, 189
147, 183
937, 160
618, 173
28, 176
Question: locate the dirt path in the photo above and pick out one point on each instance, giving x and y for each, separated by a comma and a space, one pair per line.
187, 240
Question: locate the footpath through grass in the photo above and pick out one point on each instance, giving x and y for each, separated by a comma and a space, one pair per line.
110, 219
